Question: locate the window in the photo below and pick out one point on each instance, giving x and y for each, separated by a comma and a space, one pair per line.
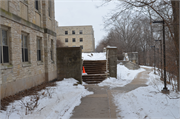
49, 8
73, 40
66, 32
66, 39
73, 32
81, 39
81, 46
4, 49
24, 44
51, 50
80, 32
36, 4
38, 49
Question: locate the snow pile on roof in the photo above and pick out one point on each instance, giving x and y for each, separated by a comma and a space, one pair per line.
148, 102
94, 56
111, 46
124, 76
54, 102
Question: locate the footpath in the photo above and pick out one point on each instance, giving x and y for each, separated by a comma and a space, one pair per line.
100, 105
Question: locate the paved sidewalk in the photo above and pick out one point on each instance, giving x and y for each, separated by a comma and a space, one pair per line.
97, 105
100, 104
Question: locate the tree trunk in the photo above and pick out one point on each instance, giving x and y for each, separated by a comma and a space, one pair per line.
175, 7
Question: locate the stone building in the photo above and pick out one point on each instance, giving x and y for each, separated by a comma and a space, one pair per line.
77, 36
27, 44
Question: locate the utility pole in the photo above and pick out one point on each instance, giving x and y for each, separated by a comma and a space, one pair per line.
165, 90
154, 57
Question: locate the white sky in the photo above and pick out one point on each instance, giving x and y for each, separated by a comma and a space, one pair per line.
83, 12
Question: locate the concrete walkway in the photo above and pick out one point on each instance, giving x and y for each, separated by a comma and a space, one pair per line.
100, 104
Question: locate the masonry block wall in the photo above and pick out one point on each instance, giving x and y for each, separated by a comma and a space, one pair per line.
83, 35
69, 63
111, 55
24, 20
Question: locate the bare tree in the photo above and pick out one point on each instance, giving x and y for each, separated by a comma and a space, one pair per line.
167, 10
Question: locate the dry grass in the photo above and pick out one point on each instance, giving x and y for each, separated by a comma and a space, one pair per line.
32, 91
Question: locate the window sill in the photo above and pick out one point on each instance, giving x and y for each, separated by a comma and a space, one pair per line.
37, 11
6, 66
25, 3
50, 18
26, 64
40, 63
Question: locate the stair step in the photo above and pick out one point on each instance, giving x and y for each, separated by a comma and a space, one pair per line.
95, 70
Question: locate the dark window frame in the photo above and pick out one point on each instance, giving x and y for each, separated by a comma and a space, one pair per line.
51, 51
25, 47
80, 32
66, 40
66, 32
39, 49
73, 39
37, 5
81, 39
49, 8
4, 47
73, 32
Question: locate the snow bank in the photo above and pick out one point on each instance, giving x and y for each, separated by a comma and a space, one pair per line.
124, 76
54, 103
149, 67
148, 102
94, 56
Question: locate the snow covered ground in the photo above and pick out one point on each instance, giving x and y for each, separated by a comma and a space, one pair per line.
124, 76
94, 56
148, 102
54, 102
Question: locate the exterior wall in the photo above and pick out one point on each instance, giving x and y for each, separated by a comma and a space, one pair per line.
49, 23
16, 75
88, 37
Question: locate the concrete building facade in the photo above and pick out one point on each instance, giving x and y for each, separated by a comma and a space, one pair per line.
27, 44
77, 36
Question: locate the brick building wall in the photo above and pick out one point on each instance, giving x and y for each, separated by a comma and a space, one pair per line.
21, 17
87, 36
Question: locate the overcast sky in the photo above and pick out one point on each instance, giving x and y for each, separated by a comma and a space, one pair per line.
83, 12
